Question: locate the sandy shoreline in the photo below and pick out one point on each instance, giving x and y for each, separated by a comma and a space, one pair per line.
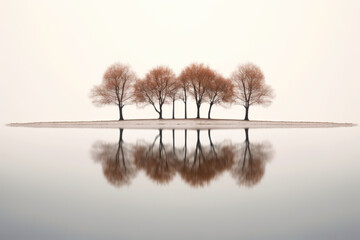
181, 124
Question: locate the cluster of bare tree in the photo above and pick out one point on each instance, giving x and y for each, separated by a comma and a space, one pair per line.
197, 166
121, 86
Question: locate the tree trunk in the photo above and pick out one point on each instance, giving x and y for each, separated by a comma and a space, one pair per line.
185, 109
173, 110
211, 104
120, 113
160, 112
185, 102
246, 114
198, 110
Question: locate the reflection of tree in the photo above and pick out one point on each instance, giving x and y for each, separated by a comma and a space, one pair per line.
116, 161
250, 166
197, 166
157, 161
205, 163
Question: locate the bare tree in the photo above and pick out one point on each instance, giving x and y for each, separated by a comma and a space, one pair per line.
198, 76
219, 91
250, 87
115, 88
155, 89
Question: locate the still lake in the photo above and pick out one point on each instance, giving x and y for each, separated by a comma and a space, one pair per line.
152, 184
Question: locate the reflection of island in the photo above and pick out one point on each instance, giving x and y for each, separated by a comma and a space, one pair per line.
197, 166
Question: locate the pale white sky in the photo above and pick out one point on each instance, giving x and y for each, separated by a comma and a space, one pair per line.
53, 52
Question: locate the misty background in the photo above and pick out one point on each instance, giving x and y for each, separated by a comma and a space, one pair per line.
54, 52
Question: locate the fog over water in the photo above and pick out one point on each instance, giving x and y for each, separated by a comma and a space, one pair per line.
72, 183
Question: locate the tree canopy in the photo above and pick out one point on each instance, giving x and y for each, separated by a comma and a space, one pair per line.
198, 76
250, 88
116, 87
120, 86
156, 88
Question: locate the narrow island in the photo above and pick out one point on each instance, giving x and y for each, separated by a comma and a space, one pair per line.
120, 86
181, 124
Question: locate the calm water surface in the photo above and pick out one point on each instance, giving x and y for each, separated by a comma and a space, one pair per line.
152, 184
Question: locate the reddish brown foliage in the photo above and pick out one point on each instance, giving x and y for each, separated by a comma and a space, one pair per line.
156, 88
116, 87
184, 84
196, 77
219, 91
250, 87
